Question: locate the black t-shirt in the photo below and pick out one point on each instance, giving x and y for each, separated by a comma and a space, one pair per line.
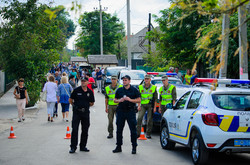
22, 92
81, 98
132, 93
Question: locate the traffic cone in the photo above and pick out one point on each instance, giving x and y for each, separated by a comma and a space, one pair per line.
68, 135
142, 136
12, 135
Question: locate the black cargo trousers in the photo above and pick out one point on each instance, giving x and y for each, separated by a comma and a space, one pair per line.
84, 118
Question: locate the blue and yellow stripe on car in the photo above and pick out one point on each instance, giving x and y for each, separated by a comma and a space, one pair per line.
182, 136
187, 130
194, 112
229, 123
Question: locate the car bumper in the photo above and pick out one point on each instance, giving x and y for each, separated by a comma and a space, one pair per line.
224, 140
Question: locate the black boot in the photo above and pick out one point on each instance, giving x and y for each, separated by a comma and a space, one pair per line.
110, 136
117, 149
133, 150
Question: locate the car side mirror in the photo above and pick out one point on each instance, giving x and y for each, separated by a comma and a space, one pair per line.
169, 106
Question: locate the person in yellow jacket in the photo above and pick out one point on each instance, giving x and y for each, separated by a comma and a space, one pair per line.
167, 94
110, 104
148, 103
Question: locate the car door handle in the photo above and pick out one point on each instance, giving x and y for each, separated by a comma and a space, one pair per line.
178, 116
191, 117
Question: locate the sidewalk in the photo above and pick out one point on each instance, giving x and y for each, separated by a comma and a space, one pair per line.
8, 110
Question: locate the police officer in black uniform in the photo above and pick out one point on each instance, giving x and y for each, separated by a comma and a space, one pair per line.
127, 96
81, 99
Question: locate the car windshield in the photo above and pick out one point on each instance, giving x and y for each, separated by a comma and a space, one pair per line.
113, 71
232, 101
159, 82
134, 75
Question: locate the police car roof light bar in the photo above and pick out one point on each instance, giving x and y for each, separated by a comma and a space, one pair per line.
221, 81
153, 73
234, 81
171, 74
205, 80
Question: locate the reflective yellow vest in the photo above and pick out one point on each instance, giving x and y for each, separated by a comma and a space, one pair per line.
146, 95
111, 94
166, 95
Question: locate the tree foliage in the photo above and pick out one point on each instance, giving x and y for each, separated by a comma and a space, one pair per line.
190, 34
68, 26
209, 46
89, 40
29, 42
175, 40
210, 37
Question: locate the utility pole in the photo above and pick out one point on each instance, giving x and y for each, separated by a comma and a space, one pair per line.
128, 34
243, 59
149, 29
101, 33
224, 46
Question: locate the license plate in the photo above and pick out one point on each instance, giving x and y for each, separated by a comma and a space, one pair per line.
241, 143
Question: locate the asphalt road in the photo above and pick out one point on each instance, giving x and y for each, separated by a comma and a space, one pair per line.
40, 142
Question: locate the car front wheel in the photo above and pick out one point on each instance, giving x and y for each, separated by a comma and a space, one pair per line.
198, 150
164, 139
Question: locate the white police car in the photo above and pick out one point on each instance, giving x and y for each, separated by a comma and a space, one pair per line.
209, 120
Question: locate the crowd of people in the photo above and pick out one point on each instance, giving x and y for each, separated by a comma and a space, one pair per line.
187, 79
62, 88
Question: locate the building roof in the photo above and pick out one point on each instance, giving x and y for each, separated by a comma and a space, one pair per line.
139, 42
78, 59
102, 59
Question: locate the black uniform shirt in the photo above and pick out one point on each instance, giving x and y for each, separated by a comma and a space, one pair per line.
132, 93
81, 98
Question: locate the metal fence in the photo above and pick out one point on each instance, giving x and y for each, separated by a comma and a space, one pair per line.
6, 82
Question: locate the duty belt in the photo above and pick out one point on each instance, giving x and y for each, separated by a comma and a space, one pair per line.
81, 109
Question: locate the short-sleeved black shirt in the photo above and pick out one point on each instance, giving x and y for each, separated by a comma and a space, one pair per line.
132, 93
21, 91
81, 98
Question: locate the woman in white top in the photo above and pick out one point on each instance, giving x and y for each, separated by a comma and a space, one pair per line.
51, 99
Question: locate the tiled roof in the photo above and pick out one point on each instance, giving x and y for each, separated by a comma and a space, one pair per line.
78, 59
102, 59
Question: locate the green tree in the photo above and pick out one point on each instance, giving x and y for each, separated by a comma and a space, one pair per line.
210, 37
29, 42
175, 40
89, 40
68, 26
208, 45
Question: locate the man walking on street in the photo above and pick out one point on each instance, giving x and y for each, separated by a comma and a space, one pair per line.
81, 99
167, 94
99, 80
148, 103
110, 104
127, 97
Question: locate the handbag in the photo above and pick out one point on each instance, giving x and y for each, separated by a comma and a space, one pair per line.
17, 96
66, 90
28, 97
44, 94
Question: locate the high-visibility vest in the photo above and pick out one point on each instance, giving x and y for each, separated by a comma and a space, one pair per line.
146, 95
111, 94
166, 95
